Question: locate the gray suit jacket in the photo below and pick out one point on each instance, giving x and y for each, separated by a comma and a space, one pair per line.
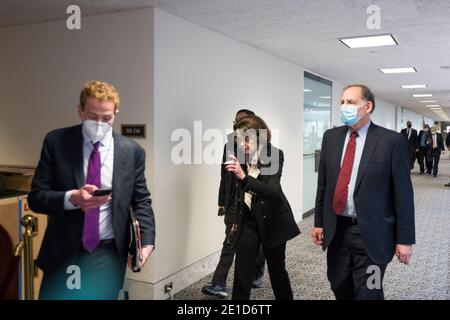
60, 169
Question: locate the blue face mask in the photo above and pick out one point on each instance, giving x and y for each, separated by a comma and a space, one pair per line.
349, 114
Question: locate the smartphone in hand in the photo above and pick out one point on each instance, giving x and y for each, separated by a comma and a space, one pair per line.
102, 192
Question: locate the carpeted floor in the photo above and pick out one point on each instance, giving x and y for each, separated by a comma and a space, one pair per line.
427, 276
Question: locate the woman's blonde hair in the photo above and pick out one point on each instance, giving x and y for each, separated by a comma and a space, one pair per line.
100, 90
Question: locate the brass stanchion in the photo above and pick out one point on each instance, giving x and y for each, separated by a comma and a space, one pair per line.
30, 224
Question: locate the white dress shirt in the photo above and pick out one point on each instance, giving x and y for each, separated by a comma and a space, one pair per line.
106, 149
350, 210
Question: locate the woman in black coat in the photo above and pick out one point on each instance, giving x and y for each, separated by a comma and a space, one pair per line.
264, 214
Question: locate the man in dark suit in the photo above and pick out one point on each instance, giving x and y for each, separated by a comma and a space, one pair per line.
365, 202
436, 146
85, 248
422, 149
410, 136
228, 208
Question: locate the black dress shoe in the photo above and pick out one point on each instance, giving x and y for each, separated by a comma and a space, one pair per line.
215, 290
434, 175
257, 283
447, 184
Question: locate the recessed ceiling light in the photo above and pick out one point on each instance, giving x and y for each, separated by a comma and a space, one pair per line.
428, 101
325, 97
422, 95
307, 90
369, 41
435, 108
432, 105
398, 70
414, 86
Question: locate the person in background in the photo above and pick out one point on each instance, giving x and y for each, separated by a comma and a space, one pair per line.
227, 208
422, 148
447, 144
411, 139
87, 236
365, 200
435, 148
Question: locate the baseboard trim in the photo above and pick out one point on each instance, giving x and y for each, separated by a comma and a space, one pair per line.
140, 290
308, 213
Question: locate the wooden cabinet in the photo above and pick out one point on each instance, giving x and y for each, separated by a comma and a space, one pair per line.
15, 183
9, 238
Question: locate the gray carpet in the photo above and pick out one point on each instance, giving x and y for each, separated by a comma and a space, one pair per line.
427, 276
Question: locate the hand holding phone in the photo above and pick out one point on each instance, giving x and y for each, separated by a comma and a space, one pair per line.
102, 192
89, 196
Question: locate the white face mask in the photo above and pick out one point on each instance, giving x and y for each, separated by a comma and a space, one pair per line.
96, 130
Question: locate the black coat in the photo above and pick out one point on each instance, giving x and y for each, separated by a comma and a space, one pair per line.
413, 141
227, 187
270, 207
384, 196
60, 169
440, 144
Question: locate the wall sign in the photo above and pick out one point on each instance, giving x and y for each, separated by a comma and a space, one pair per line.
133, 130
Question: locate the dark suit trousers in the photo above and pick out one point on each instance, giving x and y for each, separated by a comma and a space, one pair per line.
101, 277
412, 156
226, 260
434, 156
423, 159
350, 270
248, 247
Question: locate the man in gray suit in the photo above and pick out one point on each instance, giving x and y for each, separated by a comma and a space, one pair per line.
85, 248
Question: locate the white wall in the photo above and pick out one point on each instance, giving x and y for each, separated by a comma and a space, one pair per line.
43, 67
384, 114
202, 75
416, 119
335, 107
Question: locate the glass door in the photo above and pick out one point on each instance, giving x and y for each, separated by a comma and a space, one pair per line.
317, 119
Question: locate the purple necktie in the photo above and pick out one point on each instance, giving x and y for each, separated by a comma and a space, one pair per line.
91, 236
